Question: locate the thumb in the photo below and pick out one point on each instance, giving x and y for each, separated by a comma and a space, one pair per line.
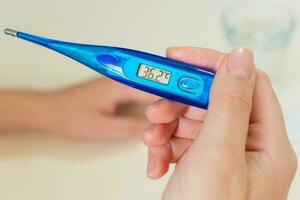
227, 120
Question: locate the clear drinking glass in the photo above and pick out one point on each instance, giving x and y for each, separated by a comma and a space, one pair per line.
265, 28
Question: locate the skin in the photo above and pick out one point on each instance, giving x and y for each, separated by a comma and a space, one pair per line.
237, 149
88, 110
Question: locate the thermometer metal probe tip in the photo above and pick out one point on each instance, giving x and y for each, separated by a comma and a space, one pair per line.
11, 32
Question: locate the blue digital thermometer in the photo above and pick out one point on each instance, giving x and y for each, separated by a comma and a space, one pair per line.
164, 77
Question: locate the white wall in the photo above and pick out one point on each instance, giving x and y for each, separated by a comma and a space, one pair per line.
45, 167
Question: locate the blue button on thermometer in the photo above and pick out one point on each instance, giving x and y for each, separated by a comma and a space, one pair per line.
161, 76
191, 85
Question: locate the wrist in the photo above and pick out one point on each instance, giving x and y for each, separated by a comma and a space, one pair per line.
42, 116
25, 110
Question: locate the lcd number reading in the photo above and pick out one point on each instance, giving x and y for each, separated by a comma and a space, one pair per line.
154, 74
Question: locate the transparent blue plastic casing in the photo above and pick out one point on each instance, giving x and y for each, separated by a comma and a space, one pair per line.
166, 78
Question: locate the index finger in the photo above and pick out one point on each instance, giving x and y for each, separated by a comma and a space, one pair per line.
202, 57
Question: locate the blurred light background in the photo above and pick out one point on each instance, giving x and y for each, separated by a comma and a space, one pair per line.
44, 167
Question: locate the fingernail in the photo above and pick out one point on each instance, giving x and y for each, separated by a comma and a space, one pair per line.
240, 63
147, 134
151, 107
151, 167
176, 51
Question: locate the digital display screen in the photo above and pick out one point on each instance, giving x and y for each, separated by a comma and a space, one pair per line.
154, 74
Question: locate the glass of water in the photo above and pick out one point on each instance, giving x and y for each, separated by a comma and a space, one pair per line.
263, 27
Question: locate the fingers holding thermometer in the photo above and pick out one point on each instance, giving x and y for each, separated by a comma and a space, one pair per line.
174, 125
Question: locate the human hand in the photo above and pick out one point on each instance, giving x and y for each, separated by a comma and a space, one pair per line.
238, 149
90, 110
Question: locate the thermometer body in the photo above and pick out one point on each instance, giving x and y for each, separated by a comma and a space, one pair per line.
154, 74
